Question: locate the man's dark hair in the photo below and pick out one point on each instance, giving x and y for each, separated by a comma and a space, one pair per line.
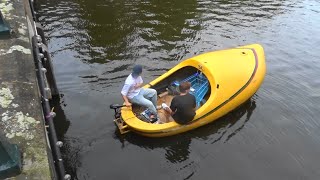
184, 86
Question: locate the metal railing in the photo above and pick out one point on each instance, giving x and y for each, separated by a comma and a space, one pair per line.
48, 90
55, 145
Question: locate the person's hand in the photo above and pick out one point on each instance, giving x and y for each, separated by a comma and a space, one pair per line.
128, 104
137, 86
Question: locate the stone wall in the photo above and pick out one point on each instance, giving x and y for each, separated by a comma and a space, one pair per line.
21, 116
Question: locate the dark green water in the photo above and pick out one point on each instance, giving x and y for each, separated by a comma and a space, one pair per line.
275, 135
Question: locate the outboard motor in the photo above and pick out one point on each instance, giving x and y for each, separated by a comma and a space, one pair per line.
122, 126
116, 108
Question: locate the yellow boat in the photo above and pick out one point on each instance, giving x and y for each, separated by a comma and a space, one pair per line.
231, 77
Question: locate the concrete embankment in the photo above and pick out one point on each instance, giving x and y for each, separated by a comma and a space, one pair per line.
21, 115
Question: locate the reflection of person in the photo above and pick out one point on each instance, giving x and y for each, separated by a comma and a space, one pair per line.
133, 93
182, 108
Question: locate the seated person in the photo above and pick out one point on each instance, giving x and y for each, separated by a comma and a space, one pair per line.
183, 106
132, 92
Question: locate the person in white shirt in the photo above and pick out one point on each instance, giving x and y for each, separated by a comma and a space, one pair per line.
132, 91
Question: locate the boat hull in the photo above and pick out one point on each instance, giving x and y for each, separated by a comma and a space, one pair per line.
234, 76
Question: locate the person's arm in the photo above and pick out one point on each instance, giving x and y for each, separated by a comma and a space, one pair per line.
172, 112
194, 103
139, 84
168, 109
126, 100
124, 92
173, 106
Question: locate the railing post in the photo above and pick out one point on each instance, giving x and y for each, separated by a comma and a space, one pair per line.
10, 158
4, 27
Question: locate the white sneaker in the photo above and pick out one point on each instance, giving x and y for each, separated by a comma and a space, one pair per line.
164, 105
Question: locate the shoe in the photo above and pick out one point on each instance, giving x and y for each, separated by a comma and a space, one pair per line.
148, 113
153, 118
157, 122
164, 106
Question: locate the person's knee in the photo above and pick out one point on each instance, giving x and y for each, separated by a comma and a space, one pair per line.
153, 91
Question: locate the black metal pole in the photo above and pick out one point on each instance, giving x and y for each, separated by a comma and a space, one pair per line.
43, 64
48, 115
47, 63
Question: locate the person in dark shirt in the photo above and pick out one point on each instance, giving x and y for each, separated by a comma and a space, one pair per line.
182, 108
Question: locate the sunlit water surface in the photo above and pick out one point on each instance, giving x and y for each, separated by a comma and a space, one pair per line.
275, 135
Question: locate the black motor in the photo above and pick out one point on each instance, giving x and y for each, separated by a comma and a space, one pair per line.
116, 108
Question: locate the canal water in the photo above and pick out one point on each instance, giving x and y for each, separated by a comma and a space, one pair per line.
94, 43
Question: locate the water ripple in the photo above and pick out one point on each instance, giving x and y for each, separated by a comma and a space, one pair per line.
94, 45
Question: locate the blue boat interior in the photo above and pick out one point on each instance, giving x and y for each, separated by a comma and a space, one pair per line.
200, 86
